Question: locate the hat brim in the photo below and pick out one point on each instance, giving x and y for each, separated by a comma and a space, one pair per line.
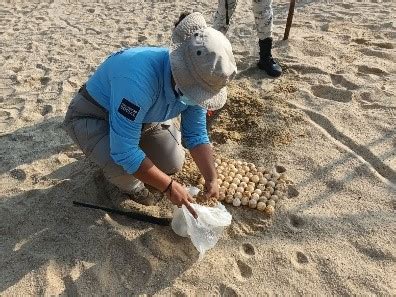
187, 83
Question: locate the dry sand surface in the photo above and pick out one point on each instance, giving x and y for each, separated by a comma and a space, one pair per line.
330, 120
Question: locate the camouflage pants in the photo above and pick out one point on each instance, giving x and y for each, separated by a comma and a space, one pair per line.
262, 10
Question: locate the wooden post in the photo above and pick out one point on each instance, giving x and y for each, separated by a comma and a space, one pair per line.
289, 19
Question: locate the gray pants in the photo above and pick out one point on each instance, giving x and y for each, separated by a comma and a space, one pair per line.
262, 10
88, 126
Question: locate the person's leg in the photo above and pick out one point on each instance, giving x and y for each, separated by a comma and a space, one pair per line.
263, 16
222, 17
161, 142
89, 128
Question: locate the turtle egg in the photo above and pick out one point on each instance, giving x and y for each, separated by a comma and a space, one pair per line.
244, 163
276, 175
258, 191
261, 187
267, 194
219, 181
263, 180
236, 181
260, 169
243, 184
231, 191
249, 174
245, 168
269, 210
262, 199
233, 186
225, 184
275, 198
252, 203
200, 187
255, 179
271, 190
220, 176
250, 189
244, 200
267, 176
221, 196
245, 179
271, 202
251, 184
238, 195
202, 181
271, 184
231, 174
247, 194
238, 176
236, 202
261, 205
218, 161
277, 193
238, 162
228, 179
251, 165
255, 196
240, 189
229, 198
260, 174
221, 167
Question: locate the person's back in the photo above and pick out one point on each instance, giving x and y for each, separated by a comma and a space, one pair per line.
147, 76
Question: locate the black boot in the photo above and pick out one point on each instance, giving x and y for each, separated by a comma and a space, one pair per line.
267, 63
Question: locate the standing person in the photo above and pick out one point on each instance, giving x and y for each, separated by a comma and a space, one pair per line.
121, 117
263, 15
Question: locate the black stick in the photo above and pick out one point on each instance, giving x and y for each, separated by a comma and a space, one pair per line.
227, 17
289, 19
129, 214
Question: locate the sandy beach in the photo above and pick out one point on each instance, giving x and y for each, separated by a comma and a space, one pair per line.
330, 120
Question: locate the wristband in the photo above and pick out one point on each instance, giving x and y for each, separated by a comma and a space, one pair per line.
168, 187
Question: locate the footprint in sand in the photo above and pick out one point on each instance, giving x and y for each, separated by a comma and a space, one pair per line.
18, 174
225, 290
46, 109
340, 80
248, 249
371, 70
244, 269
301, 258
331, 93
296, 221
374, 253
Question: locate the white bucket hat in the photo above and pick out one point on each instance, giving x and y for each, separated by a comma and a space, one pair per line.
202, 62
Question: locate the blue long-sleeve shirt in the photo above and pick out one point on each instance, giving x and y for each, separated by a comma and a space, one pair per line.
135, 86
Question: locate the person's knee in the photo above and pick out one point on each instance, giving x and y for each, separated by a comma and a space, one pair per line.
175, 162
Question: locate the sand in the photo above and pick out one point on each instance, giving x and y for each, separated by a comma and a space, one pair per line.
330, 120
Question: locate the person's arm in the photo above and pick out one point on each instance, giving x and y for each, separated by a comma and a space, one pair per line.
196, 139
127, 111
203, 157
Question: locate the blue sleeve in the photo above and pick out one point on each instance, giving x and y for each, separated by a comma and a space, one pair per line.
193, 126
129, 103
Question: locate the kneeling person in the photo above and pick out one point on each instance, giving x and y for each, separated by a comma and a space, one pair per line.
122, 117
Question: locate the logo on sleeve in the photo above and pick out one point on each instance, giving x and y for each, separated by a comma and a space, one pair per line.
128, 109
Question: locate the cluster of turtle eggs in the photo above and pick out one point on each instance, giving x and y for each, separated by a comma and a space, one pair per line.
243, 183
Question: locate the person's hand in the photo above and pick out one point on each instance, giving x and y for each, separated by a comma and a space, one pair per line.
179, 196
212, 189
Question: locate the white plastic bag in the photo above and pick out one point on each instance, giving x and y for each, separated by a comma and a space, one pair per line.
204, 231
